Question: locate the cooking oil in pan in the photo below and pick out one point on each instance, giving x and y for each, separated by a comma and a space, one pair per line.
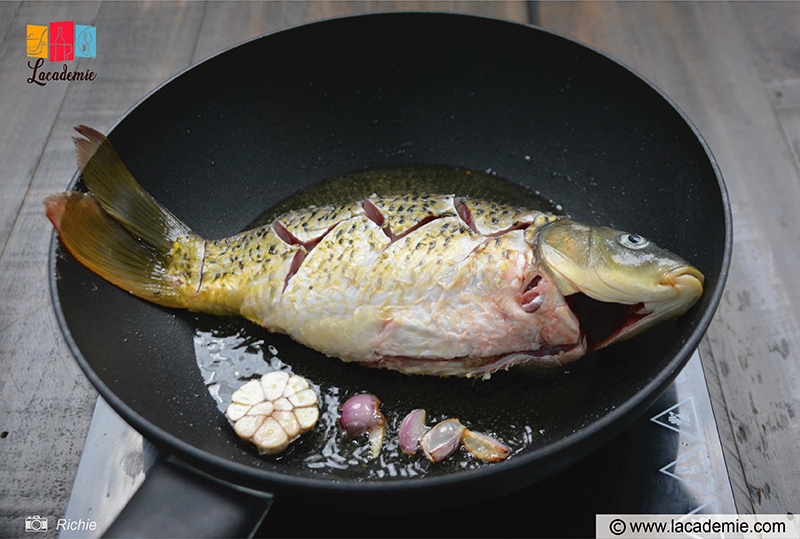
516, 406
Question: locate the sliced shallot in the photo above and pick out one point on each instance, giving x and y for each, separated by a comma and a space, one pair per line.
484, 447
412, 429
442, 440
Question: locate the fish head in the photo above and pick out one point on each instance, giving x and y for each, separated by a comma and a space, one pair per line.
617, 283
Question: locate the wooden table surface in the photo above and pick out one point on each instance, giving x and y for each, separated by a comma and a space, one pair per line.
733, 67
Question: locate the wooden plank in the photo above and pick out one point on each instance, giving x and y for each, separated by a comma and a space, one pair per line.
773, 30
252, 19
700, 55
8, 12
785, 96
774, 33
298, 12
30, 111
46, 401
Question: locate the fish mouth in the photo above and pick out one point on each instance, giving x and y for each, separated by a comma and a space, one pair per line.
687, 280
605, 323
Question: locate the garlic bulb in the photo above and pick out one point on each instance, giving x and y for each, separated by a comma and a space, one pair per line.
274, 411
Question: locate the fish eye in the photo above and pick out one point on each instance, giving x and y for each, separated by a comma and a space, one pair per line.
632, 241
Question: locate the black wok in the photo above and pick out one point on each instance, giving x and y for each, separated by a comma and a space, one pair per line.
255, 124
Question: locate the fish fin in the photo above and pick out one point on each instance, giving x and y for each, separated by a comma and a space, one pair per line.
123, 234
121, 196
102, 244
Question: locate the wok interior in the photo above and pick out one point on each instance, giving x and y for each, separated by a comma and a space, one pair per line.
246, 129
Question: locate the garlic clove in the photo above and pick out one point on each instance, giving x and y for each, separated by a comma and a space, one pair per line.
262, 408
283, 405
237, 411
270, 438
274, 384
294, 385
250, 393
305, 397
307, 417
288, 423
247, 426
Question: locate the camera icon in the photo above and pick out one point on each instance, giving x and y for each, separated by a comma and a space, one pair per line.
35, 524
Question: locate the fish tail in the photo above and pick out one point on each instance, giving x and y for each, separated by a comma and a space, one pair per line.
123, 234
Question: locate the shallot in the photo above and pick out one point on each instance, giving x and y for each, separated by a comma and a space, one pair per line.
412, 429
445, 438
361, 414
484, 447
442, 440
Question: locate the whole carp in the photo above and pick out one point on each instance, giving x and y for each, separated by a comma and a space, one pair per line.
422, 284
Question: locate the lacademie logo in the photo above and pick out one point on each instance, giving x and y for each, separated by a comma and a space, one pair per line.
62, 41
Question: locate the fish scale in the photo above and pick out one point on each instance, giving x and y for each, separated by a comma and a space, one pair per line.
419, 283
313, 222
367, 287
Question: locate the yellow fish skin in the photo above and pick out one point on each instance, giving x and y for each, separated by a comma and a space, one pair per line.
422, 284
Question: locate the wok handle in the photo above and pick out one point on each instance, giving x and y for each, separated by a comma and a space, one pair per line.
176, 501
